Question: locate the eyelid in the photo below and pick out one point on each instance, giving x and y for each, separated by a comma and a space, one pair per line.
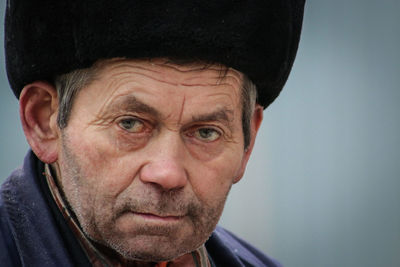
212, 125
215, 135
131, 119
192, 129
127, 117
134, 117
146, 124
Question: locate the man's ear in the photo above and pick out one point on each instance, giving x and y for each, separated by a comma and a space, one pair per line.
38, 108
255, 124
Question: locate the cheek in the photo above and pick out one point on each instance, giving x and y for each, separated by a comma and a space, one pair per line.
212, 180
104, 170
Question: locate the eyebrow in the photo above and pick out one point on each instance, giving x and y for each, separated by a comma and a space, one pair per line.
223, 115
131, 103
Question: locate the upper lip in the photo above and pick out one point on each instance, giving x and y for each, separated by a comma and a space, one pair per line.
159, 215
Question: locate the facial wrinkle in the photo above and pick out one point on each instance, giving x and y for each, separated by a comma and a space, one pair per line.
156, 71
207, 84
124, 104
229, 80
151, 77
224, 115
127, 65
184, 68
179, 122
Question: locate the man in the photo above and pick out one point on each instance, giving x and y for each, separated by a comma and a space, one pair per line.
141, 116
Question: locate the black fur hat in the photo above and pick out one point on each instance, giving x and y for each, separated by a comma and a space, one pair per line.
45, 38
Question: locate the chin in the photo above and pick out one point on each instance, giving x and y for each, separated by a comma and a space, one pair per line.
153, 248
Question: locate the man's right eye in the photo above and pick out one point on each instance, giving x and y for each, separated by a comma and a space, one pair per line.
132, 125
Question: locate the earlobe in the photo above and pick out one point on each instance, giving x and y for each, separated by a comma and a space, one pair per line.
38, 106
255, 124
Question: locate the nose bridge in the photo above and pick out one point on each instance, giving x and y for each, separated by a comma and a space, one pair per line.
165, 165
169, 145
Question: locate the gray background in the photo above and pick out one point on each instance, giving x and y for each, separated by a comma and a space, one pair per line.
322, 187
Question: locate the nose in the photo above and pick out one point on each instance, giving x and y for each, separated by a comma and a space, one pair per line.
165, 166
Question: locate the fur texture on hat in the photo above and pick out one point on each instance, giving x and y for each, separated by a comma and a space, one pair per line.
45, 38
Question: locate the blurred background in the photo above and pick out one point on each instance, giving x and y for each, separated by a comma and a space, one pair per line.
323, 185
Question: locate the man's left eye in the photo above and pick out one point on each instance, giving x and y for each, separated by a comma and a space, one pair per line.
132, 125
207, 134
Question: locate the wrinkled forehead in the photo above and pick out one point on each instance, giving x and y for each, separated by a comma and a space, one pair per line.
151, 73
150, 79
179, 68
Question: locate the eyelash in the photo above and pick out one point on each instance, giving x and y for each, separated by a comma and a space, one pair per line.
191, 132
145, 125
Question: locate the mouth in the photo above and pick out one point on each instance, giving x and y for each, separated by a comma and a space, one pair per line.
155, 217
134, 223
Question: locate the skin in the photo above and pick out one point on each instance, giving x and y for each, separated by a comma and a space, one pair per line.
149, 155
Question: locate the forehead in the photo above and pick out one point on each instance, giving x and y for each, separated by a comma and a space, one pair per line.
158, 80
170, 71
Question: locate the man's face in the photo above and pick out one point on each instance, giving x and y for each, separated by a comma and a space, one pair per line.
149, 155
